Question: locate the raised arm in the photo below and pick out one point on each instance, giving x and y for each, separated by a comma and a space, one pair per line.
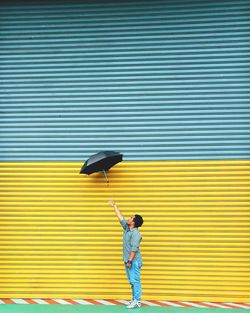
117, 211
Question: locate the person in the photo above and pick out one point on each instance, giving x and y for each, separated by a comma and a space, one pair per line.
131, 253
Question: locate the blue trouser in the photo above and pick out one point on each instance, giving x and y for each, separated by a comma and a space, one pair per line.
133, 274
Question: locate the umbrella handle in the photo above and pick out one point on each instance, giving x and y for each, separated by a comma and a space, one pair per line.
105, 175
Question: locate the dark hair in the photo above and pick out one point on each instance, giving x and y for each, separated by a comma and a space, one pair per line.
138, 220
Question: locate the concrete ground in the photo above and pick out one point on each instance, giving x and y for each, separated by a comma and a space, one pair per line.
41, 308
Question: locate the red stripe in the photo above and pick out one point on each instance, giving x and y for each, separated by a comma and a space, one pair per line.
93, 302
158, 303
182, 304
201, 304
208, 305
8, 301
50, 301
235, 305
246, 304
30, 301
227, 305
221, 303
192, 304
70, 301
114, 302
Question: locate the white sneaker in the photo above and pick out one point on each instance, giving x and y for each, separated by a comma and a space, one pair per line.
129, 302
134, 304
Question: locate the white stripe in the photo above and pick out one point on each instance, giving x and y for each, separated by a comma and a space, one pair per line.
170, 303
2, 302
61, 301
237, 305
149, 303
80, 301
104, 302
19, 301
216, 305
40, 301
193, 304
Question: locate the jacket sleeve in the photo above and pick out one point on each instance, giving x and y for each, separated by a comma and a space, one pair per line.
135, 241
124, 224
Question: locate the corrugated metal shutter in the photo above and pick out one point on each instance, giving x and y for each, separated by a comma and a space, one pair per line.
60, 238
158, 81
154, 80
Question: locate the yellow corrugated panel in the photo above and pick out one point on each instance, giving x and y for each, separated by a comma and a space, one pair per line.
59, 237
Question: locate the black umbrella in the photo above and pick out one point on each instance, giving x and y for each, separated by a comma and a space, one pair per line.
101, 162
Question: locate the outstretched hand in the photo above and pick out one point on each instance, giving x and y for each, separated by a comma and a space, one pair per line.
117, 211
111, 202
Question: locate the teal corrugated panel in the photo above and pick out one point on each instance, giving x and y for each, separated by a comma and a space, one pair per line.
153, 80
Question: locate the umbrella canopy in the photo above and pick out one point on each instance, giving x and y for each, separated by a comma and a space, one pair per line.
101, 162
